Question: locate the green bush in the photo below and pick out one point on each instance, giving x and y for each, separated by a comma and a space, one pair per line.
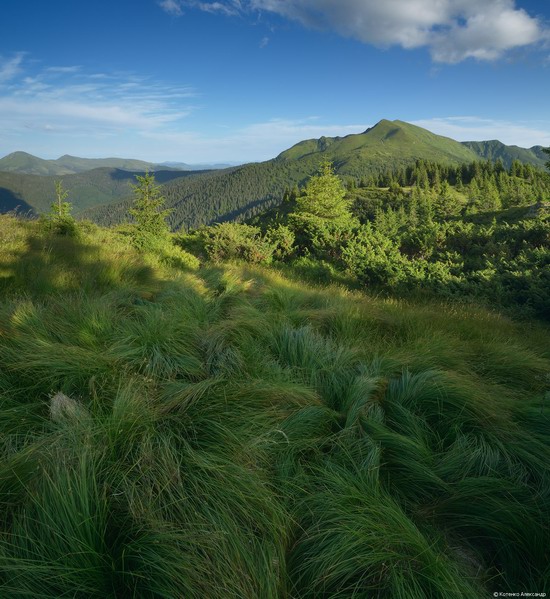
232, 241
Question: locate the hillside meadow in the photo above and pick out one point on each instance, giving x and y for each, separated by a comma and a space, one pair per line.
170, 429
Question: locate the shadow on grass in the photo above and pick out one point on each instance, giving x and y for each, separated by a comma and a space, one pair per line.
49, 264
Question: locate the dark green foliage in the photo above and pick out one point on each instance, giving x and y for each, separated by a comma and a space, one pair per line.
448, 236
324, 197
150, 228
322, 220
281, 238
232, 241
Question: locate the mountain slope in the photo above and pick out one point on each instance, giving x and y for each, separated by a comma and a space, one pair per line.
240, 192
24, 163
78, 165
400, 142
494, 149
21, 162
246, 190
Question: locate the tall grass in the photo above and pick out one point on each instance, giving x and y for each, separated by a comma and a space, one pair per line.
229, 432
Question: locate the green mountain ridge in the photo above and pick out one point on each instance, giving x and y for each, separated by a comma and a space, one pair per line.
247, 190
494, 150
400, 141
240, 192
24, 163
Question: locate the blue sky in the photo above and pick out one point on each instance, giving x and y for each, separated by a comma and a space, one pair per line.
242, 80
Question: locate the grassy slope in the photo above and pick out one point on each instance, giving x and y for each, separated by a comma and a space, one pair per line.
228, 432
396, 141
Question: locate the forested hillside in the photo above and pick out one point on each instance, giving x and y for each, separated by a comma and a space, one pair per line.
34, 194
475, 232
388, 150
238, 193
495, 150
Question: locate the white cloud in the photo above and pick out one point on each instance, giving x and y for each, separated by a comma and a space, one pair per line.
216, 7
472, 128
63, 70
264, 41
172, 7
453, 30
487, 35
228, 7
10, 67
67, 101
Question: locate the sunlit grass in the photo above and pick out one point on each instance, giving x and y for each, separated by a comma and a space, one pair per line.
231, 432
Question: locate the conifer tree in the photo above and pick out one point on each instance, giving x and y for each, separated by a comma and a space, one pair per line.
150, 228
59, 219
324, 196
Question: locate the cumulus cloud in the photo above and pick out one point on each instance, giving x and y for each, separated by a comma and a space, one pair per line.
453, 30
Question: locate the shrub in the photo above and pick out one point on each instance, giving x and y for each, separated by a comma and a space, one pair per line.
231, 241
282, 239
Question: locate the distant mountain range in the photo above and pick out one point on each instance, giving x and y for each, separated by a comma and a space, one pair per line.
21, 162
201, 197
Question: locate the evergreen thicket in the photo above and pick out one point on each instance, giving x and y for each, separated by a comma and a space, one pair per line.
469, 231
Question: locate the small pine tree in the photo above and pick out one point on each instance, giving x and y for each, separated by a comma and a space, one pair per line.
323, 220
59, 219
150, 229
325, 196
